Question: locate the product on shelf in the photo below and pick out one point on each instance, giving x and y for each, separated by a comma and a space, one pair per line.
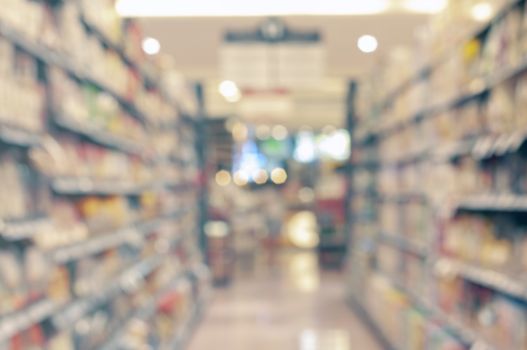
443, 148
99, 219
21, 93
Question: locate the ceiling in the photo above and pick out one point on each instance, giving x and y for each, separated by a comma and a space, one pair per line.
194, 45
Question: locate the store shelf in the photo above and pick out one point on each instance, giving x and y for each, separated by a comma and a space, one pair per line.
100, 137
449, 323
492, 279
497, 93
14, 136
496, 146
485, 85
107, 241
76, 309
425, 71
22, 320
143, 313
118, 48
453, 151
55, 59
410, 158
182, 335
94, 245
404, 197
483, 147
168, 236
15, 230
494, 203
371, 324
87, 186
365, 164
125, 102
404, 244
109, 43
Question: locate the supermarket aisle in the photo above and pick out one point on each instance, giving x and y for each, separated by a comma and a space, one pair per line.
289, 306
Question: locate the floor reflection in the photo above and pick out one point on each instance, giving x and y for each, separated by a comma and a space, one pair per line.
303, 271
292, 305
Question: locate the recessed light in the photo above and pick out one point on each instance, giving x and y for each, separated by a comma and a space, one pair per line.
482, 12
261, 177
241, 178
151, 46
367, 43
229, 90
223, 178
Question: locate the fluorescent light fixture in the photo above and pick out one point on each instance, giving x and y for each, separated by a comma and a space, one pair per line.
229, 90
367, 43
245, 8
425, 6
151, 46
482, 12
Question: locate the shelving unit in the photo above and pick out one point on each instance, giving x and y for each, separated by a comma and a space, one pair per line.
438, 196
99, 221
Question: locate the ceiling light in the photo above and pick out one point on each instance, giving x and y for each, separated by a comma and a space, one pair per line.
240, 132
367, 43
229, 90
241, 178
425, 6
217, 229
335, 146
231, 8
305, 150
151, 46
261, 177
302, 230
482, 12
278, 176
223, 178
279, 132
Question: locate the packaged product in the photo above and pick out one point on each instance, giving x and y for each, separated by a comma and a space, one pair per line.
521, 102
11, 281
508, 328
501, 110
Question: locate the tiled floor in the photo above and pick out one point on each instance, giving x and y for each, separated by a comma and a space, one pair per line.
289, 306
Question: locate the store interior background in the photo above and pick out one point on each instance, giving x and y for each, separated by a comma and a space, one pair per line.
281, 175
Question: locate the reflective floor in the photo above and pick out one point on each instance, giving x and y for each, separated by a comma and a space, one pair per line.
288, 305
